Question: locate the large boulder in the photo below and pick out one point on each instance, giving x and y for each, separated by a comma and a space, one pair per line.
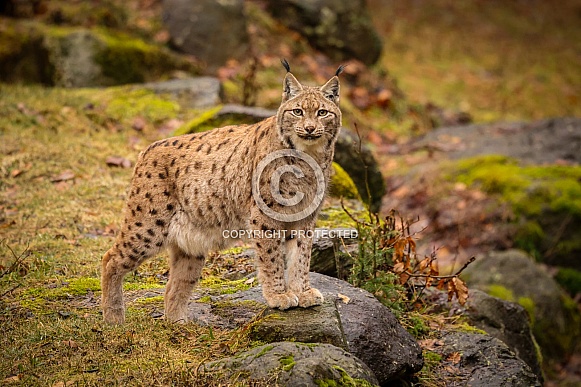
350, 318
78, 57
341, 28
477, 360
505, 320
296, 364
212, 31
513, 275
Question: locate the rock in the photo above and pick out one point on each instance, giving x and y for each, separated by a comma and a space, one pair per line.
77, 57
368, 329
539, 142
484, 361
341, 28
342, 186
326, 257
212, 31
360, 165
508, 322
515, 276
296, 364
200, 92
505, 320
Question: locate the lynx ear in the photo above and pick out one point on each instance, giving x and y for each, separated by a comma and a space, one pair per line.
331, 90
291, 87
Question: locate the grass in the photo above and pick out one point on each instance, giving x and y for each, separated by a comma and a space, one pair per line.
495, 60
60, 206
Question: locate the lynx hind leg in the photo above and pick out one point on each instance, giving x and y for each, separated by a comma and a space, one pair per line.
115, 265
298, 252
184, 272
270, 265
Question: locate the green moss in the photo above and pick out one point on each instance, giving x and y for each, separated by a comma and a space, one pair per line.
197, 124
346, 380
264, 350
570, 279
287, 363
125, 103
150, 300
334, 217
76, 287
431, 358
126, 59
501, 292
465, 327
150, 284
221, 286
342, 185
529, 305
546, 200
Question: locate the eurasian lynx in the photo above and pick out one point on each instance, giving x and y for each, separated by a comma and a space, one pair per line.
268, 179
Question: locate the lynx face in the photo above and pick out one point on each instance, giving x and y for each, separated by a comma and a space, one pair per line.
309, 116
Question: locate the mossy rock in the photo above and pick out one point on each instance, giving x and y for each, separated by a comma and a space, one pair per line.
297, 364
514, 276
342, 185
546, 200
77, 57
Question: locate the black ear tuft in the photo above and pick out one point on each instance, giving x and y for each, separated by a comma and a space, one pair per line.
340, 70
285, 64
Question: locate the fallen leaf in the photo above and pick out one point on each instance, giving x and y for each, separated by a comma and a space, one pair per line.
430, 344
70, 343
138, 123
344, 298
454, 357
63, 176
250, 281
118, 161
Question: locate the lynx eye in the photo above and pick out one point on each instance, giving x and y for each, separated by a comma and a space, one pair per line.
322, 113
297, 112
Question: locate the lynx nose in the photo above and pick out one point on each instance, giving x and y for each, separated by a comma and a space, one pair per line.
310, 129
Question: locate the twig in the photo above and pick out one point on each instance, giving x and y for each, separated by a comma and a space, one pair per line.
440, 277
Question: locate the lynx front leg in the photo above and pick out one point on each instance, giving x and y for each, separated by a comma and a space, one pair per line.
184, 273
298, 252
270, 265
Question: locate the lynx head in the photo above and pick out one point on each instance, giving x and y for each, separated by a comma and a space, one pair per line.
309, 116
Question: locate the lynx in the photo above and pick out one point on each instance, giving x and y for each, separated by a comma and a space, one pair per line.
187, 190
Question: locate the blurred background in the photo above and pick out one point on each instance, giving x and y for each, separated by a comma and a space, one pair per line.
470, 112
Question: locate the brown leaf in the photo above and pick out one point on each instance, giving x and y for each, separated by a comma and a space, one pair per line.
461, 290
398, 267
454, 357
430, 344
343, 298
63, 176
118, 161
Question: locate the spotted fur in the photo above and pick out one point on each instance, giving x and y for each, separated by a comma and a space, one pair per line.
187, 190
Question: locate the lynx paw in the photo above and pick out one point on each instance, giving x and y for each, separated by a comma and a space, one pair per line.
281, 301
310, 297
